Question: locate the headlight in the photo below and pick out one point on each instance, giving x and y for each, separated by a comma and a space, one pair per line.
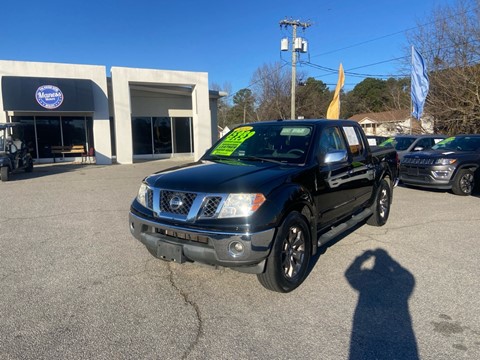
445, 161
142, 196
241, 205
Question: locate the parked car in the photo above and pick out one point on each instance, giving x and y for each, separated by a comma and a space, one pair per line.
265, 197
451, 164
375, 140
405, 144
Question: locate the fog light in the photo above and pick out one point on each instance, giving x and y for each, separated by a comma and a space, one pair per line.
441, 174
236, 248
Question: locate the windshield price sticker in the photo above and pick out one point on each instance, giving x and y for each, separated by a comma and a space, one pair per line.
351, 135
233, 140
295, 131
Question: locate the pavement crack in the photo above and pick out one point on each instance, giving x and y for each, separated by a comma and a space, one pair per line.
196, 308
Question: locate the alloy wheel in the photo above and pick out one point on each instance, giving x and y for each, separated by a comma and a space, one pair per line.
293, 252
383, 203
466, 183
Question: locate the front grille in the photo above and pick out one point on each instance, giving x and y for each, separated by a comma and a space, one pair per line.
210, 206
176, 202
416, 161
150, 198
182, 235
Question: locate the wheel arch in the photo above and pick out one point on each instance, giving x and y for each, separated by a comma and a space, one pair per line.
468, 166
297, 198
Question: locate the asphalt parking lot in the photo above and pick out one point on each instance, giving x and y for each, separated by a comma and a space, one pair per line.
76, 285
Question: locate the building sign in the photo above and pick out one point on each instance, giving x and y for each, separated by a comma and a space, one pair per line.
49, 96
41, 94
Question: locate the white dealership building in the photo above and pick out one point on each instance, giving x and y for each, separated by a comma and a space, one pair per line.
127, 115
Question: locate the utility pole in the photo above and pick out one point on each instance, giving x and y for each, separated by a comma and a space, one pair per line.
298, 45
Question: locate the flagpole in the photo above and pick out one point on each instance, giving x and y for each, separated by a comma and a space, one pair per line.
411, 100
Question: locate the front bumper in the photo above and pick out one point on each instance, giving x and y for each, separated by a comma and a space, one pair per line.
430, 176
213, 248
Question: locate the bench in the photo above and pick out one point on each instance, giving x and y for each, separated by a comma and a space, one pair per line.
73, 149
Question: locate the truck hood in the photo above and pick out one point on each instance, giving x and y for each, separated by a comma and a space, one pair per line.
223, 176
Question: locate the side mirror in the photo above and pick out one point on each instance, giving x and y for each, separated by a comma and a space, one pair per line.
418, 148
335, 156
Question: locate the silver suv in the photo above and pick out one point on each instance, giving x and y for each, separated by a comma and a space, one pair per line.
405, 144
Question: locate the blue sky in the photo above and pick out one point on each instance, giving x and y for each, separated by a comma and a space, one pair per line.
227, 39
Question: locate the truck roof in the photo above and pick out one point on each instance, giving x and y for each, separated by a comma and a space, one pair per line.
314, 122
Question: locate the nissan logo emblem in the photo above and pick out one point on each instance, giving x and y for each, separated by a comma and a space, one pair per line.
175, 203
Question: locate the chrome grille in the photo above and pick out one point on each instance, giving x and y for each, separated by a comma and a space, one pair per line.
150, 198
210, 206
176, 202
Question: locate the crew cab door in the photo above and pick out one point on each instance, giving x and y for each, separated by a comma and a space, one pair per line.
362, 171
332, 189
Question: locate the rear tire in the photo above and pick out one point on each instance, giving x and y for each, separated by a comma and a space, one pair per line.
287, 264
381, 205
4, 173
463, 183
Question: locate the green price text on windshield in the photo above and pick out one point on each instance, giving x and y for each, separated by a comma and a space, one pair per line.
233, 140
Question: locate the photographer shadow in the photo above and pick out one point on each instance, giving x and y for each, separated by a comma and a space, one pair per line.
382, 326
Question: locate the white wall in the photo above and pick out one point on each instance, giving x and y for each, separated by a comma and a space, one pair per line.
122, 78
101, 124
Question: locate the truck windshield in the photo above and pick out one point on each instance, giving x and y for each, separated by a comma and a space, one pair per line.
282, 143
398, 143
459, 143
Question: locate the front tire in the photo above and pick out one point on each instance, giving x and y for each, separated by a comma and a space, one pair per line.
29, 167
288, 262
463, 183
4, 173
381, 205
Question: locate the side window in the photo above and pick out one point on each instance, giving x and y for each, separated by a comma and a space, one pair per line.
426, 143
354, 139
331, 140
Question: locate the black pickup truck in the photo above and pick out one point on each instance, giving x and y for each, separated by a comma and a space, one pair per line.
265, 197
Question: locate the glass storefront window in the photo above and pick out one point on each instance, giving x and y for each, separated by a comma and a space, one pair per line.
183, 134
162, 135
113, 136
26, 132
73, 131
142, 135
43, 132
48, 134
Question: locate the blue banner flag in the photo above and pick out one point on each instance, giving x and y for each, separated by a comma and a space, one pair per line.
420, 83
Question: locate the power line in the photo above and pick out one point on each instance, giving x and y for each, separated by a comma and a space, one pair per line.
395, 33
332, 71
349, 71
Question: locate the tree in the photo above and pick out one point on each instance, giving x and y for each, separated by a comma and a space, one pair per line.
271, 85
223, 104
450, 45
398, 91
243, 110
370, 95
377, 95
312, 99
